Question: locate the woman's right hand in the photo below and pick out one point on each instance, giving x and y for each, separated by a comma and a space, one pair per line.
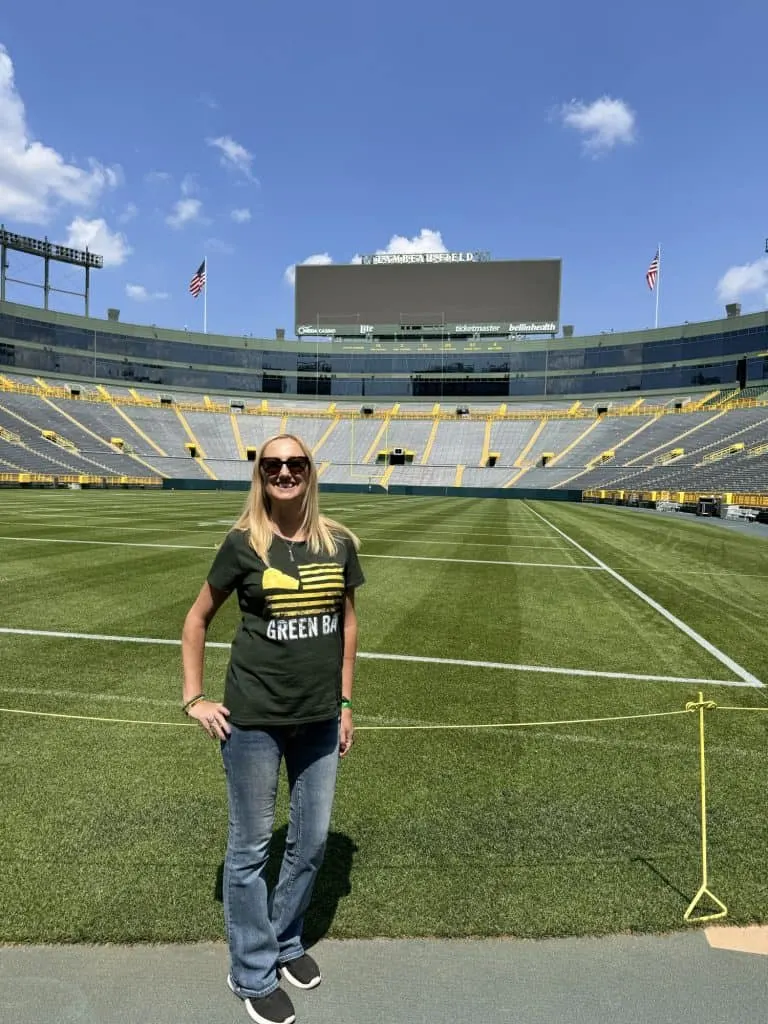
212, 718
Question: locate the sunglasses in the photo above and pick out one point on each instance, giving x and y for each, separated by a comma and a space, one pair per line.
296, 465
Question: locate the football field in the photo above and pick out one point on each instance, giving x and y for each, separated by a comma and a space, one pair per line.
524, 762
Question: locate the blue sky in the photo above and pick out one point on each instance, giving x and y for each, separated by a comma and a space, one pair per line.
264, 135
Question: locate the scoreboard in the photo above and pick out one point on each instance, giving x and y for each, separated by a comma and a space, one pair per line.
457, 294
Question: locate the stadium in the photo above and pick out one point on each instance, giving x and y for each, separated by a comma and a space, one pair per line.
538, 651
397, 399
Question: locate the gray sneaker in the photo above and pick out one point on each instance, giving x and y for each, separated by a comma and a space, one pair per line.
276, 1008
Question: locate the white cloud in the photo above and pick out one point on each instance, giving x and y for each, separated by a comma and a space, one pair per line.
188, 185
95, 236
157, 177
233, 155
209, 101
130, 211
603, 124
739, 281
241, 216
35, 179
427, 240
318, 259
217, 245
184, 211
139, 293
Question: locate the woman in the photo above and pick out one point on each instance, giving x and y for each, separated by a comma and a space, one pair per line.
287, 694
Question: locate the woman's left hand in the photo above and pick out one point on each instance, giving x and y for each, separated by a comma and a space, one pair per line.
346, 732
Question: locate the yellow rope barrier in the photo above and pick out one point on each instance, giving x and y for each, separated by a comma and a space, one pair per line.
701, 706
725, 707
91, 718
520, 725
369, 728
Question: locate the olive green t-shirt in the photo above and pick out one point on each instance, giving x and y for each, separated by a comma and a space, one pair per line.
286, 657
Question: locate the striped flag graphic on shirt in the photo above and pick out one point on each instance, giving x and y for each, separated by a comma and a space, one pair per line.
197, 283
653, 271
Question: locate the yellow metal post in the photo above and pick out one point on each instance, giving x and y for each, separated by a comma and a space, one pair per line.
701, 706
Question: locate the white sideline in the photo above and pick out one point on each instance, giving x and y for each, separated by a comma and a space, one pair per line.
747, 677
375, 656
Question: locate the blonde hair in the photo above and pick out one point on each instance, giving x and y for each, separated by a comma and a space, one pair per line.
322, 533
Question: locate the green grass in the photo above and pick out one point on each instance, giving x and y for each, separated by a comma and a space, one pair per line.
116, 832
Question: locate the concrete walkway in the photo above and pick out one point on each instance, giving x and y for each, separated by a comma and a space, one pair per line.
678, 978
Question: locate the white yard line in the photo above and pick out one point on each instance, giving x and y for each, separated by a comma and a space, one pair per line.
482, 561
213, 547
671, 571
127, 523
458, 532
747, 678
412, 658
427, 515
550, 670
114, 543
87, 525
31, 691
45, 516
363, 554
468, 543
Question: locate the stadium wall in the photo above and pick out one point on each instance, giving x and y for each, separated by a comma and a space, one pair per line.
529, 493
688, 358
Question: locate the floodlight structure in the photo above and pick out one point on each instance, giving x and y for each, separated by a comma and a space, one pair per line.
47, 251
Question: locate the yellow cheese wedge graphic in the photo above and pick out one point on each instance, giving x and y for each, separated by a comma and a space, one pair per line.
273, 579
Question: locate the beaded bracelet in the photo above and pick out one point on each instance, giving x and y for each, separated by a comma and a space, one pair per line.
191, 703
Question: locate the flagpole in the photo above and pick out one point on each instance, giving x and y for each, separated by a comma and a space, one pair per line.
205, 299
658, 286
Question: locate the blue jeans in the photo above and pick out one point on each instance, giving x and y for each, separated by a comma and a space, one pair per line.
264, 929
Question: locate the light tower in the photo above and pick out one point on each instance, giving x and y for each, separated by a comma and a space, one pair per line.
47, 251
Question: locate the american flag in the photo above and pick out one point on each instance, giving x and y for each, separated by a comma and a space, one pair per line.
653, 271
197, 283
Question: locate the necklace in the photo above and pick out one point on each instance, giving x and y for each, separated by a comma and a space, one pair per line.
289, 544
